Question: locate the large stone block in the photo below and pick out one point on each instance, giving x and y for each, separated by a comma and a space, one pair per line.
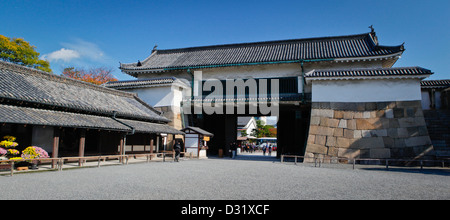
311, 139
318, 149
331, 141
367, 124
407, 122
372, 142
417, 141
389, 113
343, 142
338, 132
342, 123
320, 140
329, 113
315, 120
380, 153
349, 153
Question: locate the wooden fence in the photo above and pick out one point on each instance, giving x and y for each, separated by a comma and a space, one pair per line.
318, 161
58, 163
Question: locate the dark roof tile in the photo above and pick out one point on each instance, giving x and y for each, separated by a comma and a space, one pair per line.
362, 45
29, 85
441, 84
369, 72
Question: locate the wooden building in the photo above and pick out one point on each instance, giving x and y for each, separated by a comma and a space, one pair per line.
196, 141
67, 117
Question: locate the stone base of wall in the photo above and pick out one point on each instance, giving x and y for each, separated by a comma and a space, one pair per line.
378, 130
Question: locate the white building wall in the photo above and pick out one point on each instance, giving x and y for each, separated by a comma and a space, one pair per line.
426, 102
381, 90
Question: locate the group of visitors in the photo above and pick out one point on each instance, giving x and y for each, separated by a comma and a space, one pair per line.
267, 148
251, 148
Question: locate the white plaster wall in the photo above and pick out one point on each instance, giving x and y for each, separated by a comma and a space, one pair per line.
425, 100
438, 100
380, 90
156, 96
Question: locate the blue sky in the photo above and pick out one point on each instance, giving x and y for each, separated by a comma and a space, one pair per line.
90, 33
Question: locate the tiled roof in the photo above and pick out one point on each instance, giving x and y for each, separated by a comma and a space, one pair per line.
368, 72
34, 116
147, 127
198, 130
436, 84
139, 83
24, 115
351, 46
22, 84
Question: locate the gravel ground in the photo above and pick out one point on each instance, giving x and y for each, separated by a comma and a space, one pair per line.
226, 179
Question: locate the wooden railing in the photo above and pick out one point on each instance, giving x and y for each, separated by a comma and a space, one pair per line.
318, 161
58, 163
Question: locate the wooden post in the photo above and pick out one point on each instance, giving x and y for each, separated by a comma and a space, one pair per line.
122, 148
56, 135
151, 143
82, 146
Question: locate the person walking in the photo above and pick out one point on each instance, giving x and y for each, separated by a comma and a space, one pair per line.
233, 150
264, 150
177, 148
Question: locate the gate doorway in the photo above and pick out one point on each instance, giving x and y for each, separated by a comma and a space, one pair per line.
292, 129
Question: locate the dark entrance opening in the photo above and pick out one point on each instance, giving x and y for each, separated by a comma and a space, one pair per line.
292, 129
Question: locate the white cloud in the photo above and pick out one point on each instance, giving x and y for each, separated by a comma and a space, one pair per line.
87, 50
63, 54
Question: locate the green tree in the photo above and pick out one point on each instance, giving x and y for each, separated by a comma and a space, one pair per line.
262, 130
19, 51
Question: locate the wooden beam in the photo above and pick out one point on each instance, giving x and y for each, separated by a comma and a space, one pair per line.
56, 135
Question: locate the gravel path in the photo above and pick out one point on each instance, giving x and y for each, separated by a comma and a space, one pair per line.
227, 179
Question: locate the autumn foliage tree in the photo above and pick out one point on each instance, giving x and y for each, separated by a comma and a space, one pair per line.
96, 76
19, 51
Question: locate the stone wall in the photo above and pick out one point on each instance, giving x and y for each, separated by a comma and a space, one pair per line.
368, 130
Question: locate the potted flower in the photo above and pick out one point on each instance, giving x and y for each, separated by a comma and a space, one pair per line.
8, 142
3, 153
34, 152
8, 151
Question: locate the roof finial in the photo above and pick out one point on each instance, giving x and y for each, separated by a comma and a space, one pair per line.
372, 30
139, 63
154, 48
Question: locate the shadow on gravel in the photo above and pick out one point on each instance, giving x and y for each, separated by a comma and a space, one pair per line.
429, 171
248, 157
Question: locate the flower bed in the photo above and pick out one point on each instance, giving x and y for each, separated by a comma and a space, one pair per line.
7, 152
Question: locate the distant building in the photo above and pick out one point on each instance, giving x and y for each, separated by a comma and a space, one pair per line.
435, 103
434, 95
246, 124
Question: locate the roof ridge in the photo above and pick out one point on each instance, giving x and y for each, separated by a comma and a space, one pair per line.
265, 52
195, 48
363, 72
141, 80
369, 68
